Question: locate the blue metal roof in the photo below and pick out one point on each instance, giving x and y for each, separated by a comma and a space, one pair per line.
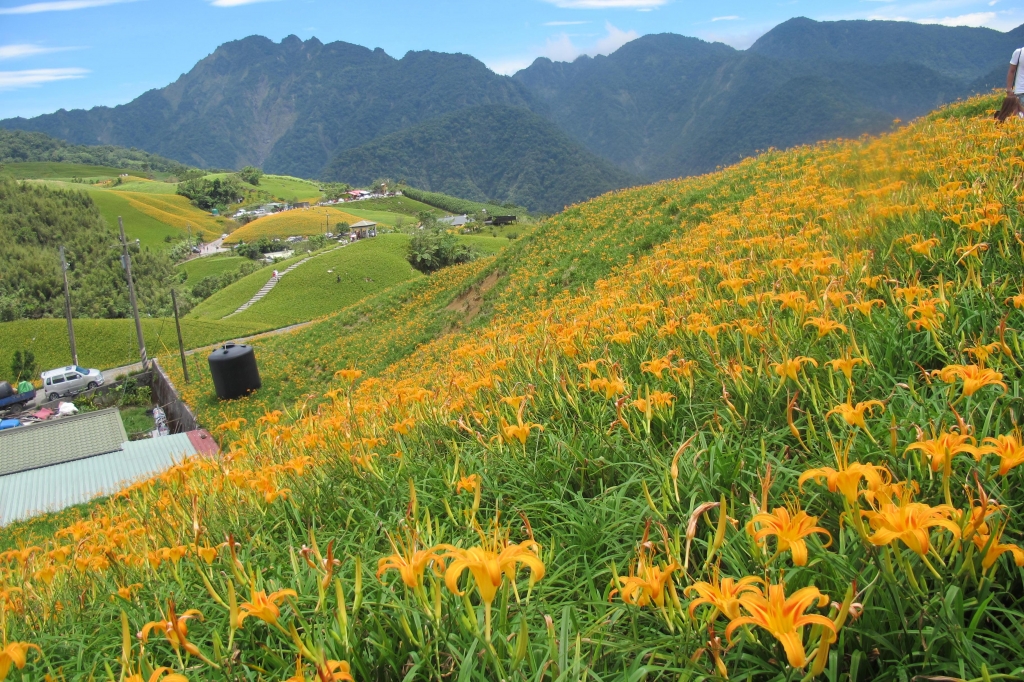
61, 440
52, 488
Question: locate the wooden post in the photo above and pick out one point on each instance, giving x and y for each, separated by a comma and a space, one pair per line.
67, 307
131, 295
177, 325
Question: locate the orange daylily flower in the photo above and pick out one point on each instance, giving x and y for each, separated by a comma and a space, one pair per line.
854, 414
520, 431
723, 594
335, 671
783, 617
1008, 447
469, 483
16, 654
973, 376
790, 367
942, 449
348, 375
410, 562
263, 606
864, 307
162, 674
844, 365
909, 522
789, 530
848, 477
646, 581
488, 562
824, 326
175, 629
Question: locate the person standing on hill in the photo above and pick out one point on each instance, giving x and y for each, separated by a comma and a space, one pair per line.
1015, 76
1014, 89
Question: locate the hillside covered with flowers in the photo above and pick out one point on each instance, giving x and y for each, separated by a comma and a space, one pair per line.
760, 424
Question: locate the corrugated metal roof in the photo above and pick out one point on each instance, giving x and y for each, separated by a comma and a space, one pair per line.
52, 488
61, 440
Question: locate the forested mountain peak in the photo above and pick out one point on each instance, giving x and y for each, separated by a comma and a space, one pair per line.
957, 51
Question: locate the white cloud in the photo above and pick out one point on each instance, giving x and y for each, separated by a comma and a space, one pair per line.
59, 6
731, 17
561, 48
235, 3
607, 4
565, 23
11, 80
27, 50
615, 39
973, 19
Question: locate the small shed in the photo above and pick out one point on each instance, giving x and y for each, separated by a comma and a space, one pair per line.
362, 230
454, 220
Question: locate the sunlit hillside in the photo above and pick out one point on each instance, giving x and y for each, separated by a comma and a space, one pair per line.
759, 424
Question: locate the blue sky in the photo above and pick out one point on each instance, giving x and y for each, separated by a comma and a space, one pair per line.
81, 53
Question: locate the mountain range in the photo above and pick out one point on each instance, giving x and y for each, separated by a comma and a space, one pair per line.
556, 132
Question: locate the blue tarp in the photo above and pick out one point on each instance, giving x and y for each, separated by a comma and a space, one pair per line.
9, 424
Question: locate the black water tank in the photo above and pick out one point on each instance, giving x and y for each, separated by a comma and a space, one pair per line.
234, 371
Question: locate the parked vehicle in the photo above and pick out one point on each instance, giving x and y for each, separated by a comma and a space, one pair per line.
70, 380
11, 397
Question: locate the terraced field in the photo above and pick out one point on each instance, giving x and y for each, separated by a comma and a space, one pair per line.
297, 222
334, 280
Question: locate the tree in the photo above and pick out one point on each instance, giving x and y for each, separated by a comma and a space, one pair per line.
23, 366
433, 249
251, 174
209, 194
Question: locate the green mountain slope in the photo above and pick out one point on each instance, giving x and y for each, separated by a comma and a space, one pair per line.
958, 52
661, 106
287, 107
20, 146
491, 152
666, 105
34, 222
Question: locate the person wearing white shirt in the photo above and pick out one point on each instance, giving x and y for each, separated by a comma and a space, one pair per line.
1015, 76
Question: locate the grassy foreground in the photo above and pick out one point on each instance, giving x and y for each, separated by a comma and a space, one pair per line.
761, 423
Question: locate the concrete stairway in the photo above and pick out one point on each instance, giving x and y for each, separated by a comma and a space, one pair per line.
272, 282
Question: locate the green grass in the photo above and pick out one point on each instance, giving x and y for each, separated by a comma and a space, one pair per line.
137, 225
485, 244
403, 205
44, 170
147, 187
137, 420
111, 343
284, 187
358, 270
381, 217
198, 268
228, 299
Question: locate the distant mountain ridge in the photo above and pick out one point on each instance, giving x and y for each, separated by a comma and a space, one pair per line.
482, 153
287, 107
661, 106
666, 105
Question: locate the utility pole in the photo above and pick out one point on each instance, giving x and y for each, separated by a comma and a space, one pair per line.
67, 307
127, 262
177, 325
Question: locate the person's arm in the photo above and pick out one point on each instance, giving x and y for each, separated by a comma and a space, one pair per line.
1011, 76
